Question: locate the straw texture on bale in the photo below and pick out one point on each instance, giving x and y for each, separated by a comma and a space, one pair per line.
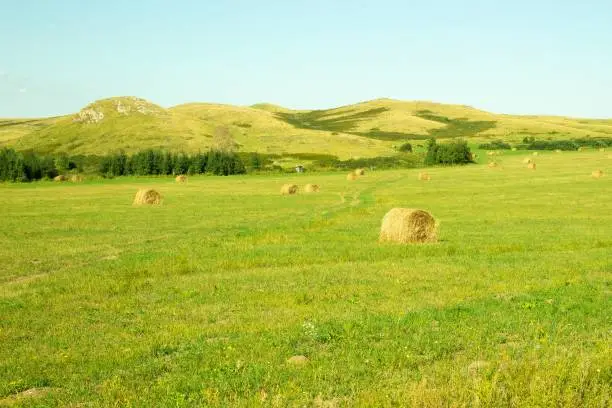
597, 174
311, 188
61, 177
527, 160
531, 166
289, 189
424, 176
181, 178
360, 172
492, 164
406, 225
351, 176
148, 197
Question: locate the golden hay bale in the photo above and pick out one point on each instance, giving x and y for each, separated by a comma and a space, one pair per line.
147, 196
527, 160
360, 172
60, 178
424, 176
289, 189
531, 166
351, 177
597, 174
181, 178
492, 164
77, 178
311, 188
407, 225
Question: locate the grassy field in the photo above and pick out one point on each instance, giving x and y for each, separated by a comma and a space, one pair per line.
366, 129
201, 301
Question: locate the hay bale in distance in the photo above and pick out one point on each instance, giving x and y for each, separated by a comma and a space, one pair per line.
289, 189
77, 178
597, 174
360, 172
351, 176
406, 225
147, 196
531, 166
423, 176
311, 188
60, 178
181, 178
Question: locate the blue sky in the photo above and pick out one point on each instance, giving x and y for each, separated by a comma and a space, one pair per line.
533, 57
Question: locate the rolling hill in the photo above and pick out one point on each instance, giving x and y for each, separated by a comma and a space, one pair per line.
369, 128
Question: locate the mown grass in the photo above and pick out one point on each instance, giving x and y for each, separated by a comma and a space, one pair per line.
201, 301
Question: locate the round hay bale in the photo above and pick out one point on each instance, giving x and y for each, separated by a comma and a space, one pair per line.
311, 188
531, 166
77, 178
492, 164
147, 196
597, 174
181, 178
60, 178
289, 189
360, 172
351, 177
527, 160
406, 225
423, 176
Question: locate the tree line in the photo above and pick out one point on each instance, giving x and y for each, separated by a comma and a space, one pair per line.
28, 166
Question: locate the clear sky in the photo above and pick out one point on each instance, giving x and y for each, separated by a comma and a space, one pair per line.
506, 56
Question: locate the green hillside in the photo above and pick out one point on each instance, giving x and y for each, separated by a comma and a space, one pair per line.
365, 129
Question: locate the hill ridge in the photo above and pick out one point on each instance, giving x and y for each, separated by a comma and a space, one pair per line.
367, 128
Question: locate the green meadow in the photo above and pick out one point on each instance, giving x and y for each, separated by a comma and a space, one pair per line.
203, 300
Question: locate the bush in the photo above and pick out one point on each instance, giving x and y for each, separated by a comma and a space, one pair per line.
405, 148
449, 153
495, 145
574, 144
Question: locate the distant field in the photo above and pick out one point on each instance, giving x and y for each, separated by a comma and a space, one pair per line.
201, 301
